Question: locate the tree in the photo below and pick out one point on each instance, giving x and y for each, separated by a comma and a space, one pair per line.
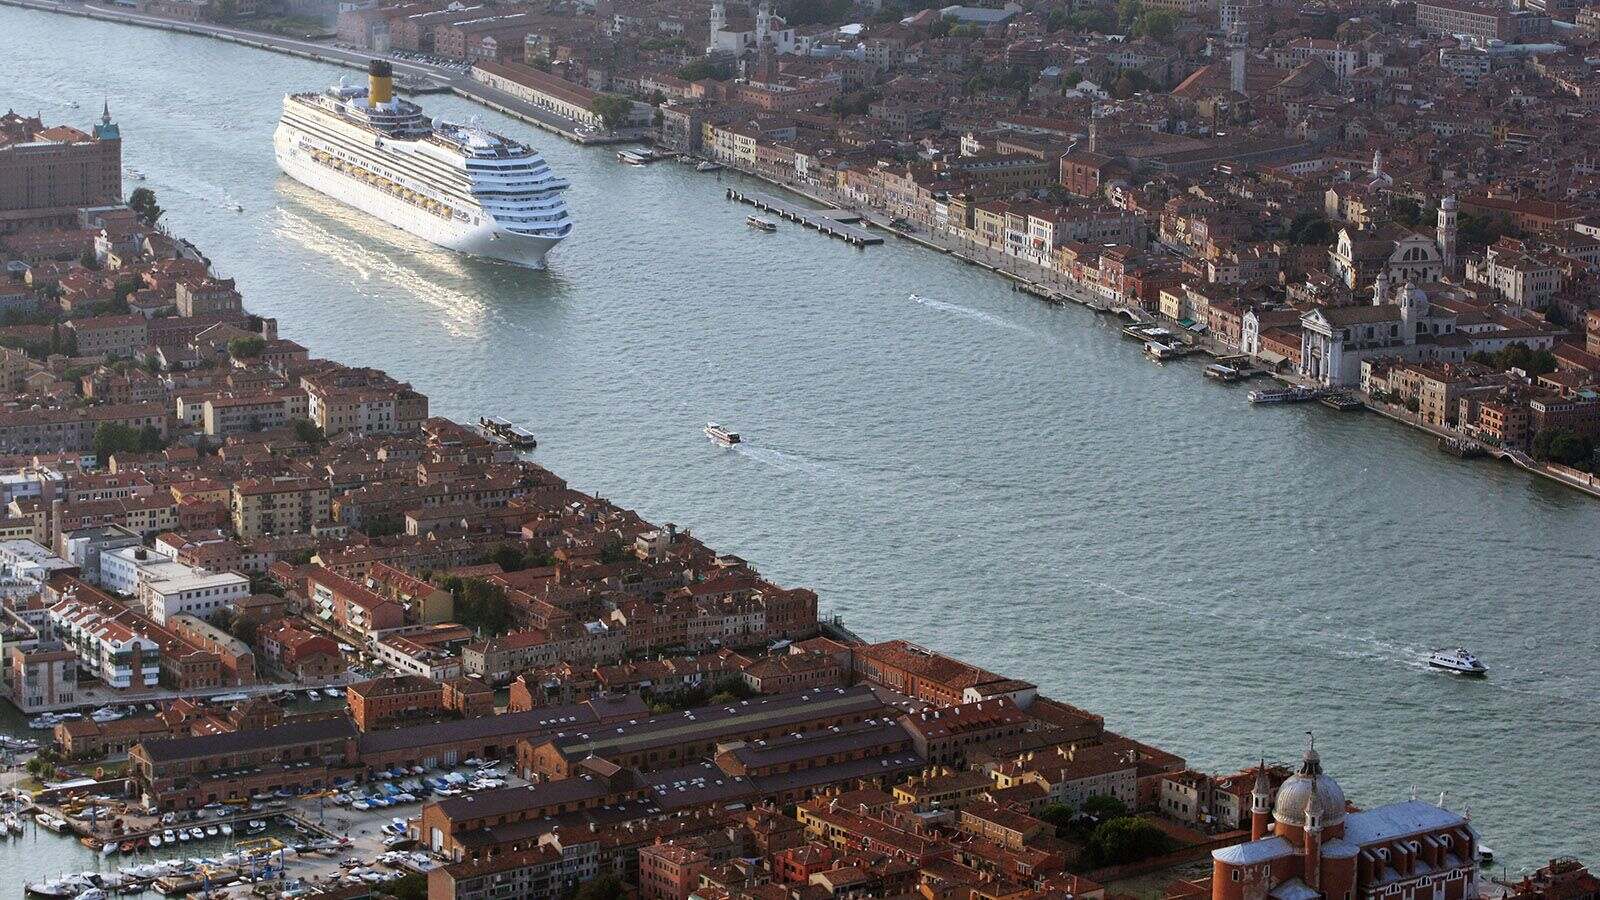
605, 887
410, 887
143, 202
309, 432
246, 347
1406, 211
508, 557
612, 109
244, 628
1562, 445
1126, 839
481, 606
88, 260
704, 68
1104, 808
1128, 12
613, 552
1158, 25
112, 438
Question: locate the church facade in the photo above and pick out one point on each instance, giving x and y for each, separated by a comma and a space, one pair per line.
1306, 845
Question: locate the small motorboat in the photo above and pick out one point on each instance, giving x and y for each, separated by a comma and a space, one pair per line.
1485, 856
128, 846
108, 848
720, 435
154, 841
227, 830
212, 831
760, 224
183, 835
708, 166
197, 833
169, 836
313, 696
1457, 661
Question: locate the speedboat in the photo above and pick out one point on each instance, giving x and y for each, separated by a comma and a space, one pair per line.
212, 831
721, 435
227, 829
1485, 856
1457, 661
313, 696
169, 836
708, 166
154, 841
760, 224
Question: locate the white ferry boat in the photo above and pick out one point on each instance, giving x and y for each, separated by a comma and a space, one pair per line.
1458, 661
496, 428
721, 435
459, 186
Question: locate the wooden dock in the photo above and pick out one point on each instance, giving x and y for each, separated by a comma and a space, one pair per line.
822, 220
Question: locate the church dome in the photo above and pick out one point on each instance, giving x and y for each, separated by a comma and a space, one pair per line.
1309, 788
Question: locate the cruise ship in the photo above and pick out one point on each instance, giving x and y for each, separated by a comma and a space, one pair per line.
459, 186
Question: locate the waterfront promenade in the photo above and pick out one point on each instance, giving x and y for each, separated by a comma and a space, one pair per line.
429, 77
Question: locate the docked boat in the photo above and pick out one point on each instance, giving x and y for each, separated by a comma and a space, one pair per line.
501, 430
1281, 395
720, 435
708, 166
760, 224
1220, 372
256, 826
51, 823
641, 156
128, 846
154, 841
1462, 448
169, 836
313, 695
45, 722
462, 187
1485, 856
1344, 401
1457, 661
227, 830
212, 831
197, 833
108, 848
1159, 351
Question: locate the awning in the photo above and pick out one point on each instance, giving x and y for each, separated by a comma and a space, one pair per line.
1271, 358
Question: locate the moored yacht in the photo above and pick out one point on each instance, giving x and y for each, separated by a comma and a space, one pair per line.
720, 435
1458, 661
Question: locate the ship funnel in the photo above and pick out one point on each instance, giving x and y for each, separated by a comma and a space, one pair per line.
380, 83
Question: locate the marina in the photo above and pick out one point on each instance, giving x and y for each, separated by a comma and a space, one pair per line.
828, 222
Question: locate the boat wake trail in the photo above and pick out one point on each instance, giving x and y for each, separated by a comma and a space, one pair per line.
461, 314
786, 461
976, 315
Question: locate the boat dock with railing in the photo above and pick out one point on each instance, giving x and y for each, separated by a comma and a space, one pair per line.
818, 219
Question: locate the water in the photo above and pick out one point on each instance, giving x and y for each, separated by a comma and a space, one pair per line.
1006, 481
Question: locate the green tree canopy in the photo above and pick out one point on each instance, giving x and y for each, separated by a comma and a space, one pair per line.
246, 347
1125, 840
612, 109
143, 202
704, 68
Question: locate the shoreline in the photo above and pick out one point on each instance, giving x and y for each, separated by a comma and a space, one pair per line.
1054, 291
1057, 292
442, 81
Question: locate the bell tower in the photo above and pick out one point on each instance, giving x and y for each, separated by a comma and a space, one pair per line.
1313, 844
1446, 234
1260, 803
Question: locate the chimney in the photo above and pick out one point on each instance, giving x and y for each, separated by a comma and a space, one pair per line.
380, 82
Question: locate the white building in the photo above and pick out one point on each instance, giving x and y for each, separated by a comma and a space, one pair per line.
196, 593
166, 588
25, 566
767, 32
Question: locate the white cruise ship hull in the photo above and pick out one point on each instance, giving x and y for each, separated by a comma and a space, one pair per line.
487, 239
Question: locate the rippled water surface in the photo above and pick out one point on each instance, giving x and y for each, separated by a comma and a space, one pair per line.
1009, 482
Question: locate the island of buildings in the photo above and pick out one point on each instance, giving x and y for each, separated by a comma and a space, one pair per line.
200, 515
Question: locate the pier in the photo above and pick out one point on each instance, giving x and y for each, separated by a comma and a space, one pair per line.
829, 222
